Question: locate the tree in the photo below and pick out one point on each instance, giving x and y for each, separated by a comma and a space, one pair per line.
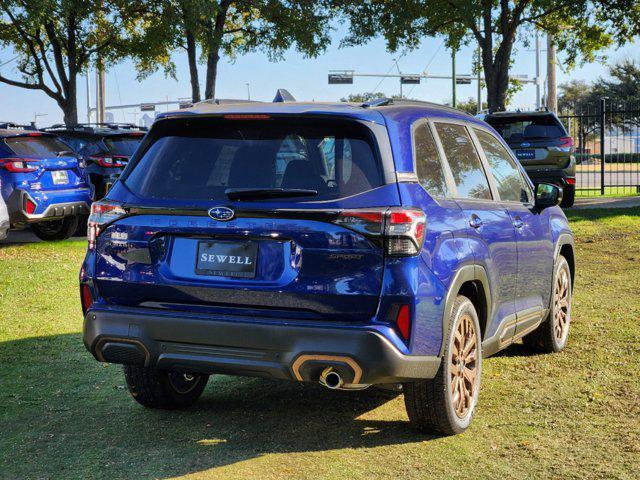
470, 105
231, 28
55, 40
574, 96
362, 97
580, 28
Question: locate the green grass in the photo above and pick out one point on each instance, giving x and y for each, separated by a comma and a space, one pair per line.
608, 192
570, 415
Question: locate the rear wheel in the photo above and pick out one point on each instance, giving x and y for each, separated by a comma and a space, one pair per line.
552, 334
446, 404
568, 196
164, 389
56, 229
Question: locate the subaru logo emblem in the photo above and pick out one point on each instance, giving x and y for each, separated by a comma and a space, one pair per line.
525, 144
221, 214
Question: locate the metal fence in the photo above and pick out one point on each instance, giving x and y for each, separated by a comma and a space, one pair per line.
606, 138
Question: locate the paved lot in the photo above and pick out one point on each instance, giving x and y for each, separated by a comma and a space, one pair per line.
592, 179
606, 202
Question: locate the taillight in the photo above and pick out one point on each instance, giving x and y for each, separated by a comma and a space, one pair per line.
403, 229
110, 161
18, 165
102, 213
566, 142
571, 181
403, 321
85, 297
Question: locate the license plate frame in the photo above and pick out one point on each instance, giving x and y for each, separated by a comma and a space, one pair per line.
60, 177
226, 259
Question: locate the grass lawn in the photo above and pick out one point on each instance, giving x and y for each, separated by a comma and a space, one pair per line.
570, 415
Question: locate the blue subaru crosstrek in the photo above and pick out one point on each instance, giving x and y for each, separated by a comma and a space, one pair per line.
43, 183
390, 243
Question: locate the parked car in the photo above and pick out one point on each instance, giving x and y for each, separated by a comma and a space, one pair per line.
105, 148
401, 244
542, 145
4, 217
43, 183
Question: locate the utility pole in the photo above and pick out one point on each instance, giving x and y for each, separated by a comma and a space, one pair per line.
538, 92
88, 97
453, 78
100, 92
552, 98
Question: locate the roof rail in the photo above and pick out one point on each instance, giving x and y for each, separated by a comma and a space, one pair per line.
90, 126
383, 102
16, 126
283, 96
225, 101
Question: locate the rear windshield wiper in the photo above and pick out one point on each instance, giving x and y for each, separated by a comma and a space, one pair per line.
261, 193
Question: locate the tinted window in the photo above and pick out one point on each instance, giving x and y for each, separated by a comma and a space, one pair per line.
36, 146
504, 170
428, 165
202, 158
517, 129
122, 145
82, 146
463, 159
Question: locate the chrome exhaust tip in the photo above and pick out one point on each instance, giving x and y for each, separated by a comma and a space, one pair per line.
331, 379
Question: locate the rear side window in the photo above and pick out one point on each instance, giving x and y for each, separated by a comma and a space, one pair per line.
199, 159
468, 174
536, 127
40, 146
510, 184
428, 164
122, 145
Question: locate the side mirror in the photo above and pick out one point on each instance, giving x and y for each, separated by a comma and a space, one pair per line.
548, 195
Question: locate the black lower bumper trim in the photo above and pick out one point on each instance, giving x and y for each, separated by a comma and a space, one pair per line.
286, 351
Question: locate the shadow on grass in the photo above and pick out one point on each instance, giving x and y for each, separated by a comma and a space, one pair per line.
601, 213
77, 415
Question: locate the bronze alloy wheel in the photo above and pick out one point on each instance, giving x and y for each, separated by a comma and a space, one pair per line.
562, 304
464, 366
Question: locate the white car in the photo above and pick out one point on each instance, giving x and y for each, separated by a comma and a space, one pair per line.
4, 219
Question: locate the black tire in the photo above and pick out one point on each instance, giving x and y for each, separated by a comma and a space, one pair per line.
430, 404
568, 196
53, 230
163, 389
546, 338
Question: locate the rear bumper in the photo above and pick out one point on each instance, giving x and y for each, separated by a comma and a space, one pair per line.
51, 205
279, 350
548, 174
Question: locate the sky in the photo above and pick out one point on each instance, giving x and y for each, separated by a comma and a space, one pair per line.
305, 78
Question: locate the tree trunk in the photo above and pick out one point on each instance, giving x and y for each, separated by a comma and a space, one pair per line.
212, 72
193, 66
68, 103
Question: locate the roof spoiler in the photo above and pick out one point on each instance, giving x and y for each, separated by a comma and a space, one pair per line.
283, 96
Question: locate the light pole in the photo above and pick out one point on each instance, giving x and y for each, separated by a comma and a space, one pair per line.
248, 91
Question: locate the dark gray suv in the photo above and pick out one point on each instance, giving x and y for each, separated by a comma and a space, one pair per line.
541, 143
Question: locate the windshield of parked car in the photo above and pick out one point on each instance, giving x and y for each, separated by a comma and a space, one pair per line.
516, 129
203, 158
36, 146
123, 145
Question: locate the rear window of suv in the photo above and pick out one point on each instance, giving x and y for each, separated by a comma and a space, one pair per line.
36, 146
199, 159
516, 129
123, 145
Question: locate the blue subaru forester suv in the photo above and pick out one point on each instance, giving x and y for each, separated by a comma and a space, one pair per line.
390, 243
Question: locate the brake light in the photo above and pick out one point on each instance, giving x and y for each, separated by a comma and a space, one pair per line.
102, 213
403, 321
403, 228
246, 116
566, 142
85, 297
571, 181
18, 165
110, 161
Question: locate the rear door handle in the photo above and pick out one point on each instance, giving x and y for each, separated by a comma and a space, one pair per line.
518, 223
475, 221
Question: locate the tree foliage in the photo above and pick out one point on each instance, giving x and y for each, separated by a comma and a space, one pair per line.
206, 30
580, 28
55, 40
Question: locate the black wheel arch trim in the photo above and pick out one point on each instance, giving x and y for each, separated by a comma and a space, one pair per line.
467, 273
